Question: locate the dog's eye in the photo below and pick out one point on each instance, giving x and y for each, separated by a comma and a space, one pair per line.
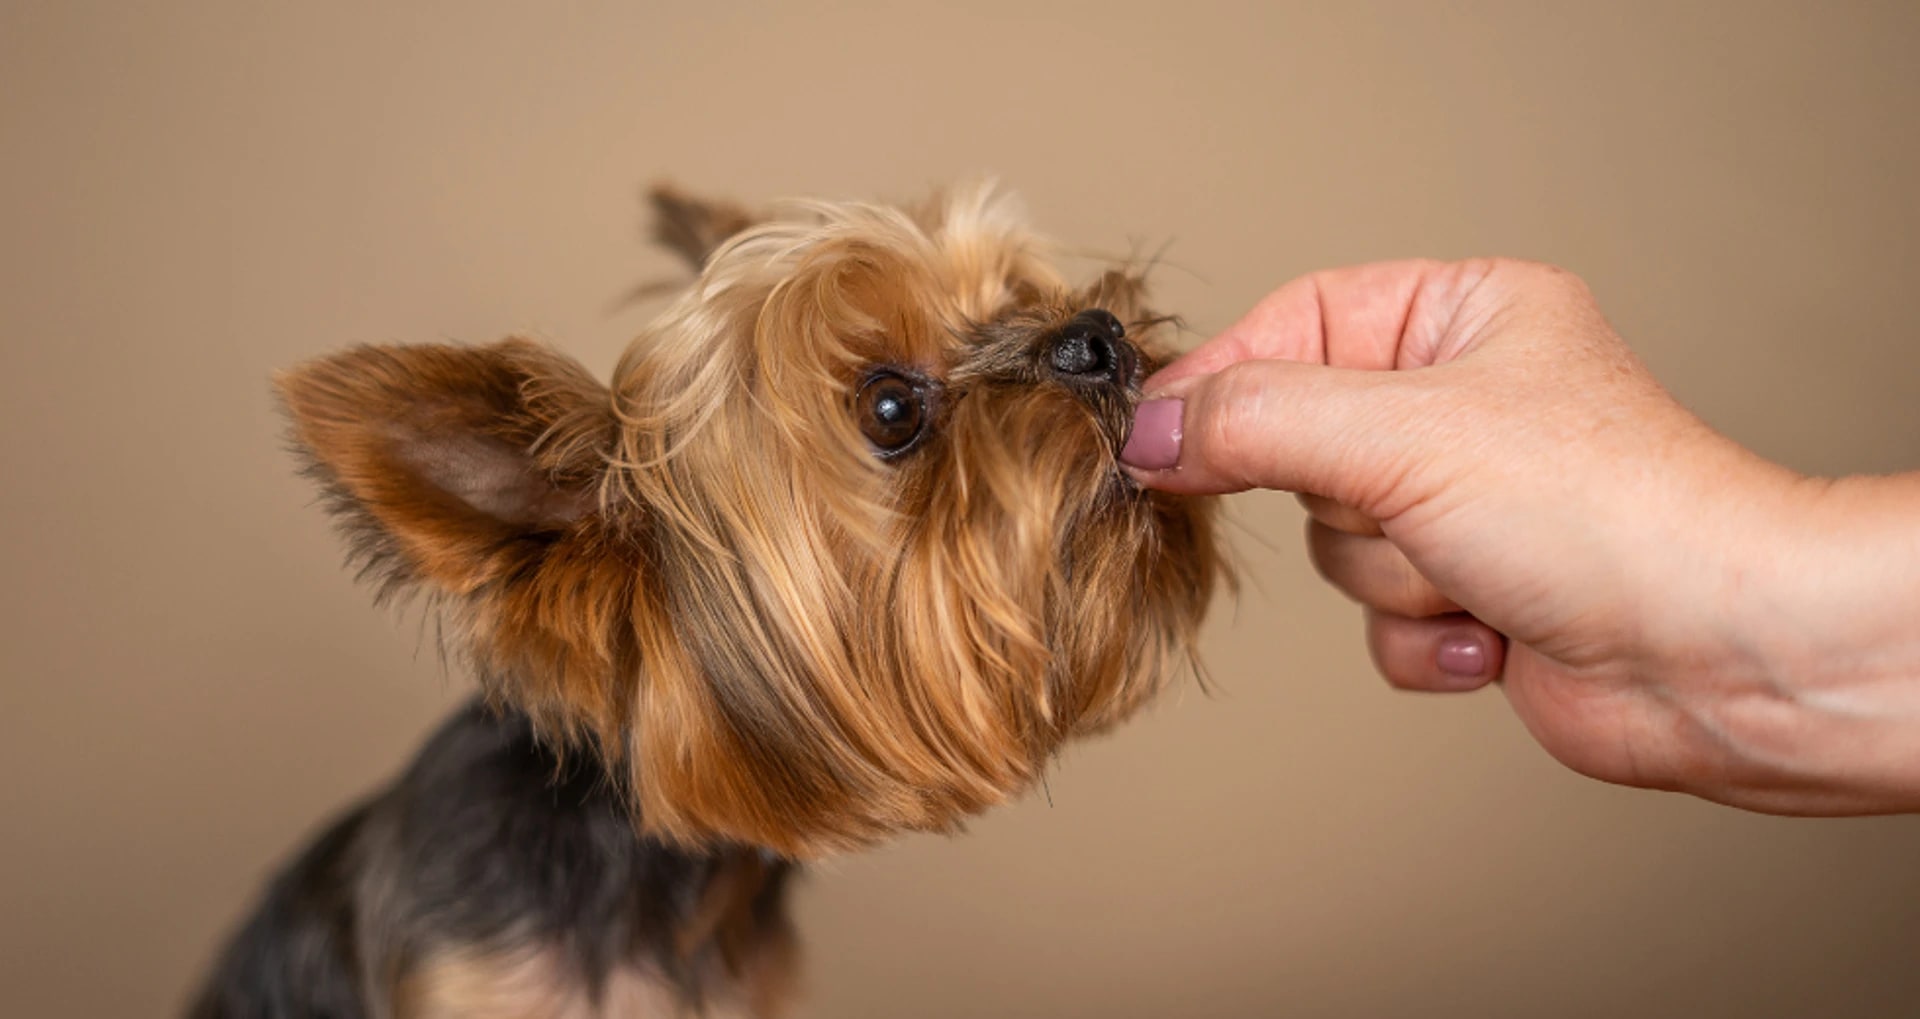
893, 412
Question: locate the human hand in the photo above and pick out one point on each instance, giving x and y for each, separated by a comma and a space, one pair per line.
1511, 496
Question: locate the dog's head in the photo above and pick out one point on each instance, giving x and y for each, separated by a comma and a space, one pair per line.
844, 550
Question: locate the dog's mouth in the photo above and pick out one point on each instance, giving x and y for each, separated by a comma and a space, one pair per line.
1113, 411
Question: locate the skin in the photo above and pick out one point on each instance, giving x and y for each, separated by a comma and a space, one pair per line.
1514, 500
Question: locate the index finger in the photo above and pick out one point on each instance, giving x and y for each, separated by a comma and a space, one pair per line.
1355, 317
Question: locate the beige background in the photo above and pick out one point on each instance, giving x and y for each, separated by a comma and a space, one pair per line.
193, 194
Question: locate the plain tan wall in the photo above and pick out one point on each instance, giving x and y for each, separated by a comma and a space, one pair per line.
193, 194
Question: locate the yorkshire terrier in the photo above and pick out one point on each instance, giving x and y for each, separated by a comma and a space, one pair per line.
843, 551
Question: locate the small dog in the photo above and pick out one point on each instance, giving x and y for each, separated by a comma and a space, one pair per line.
844, 551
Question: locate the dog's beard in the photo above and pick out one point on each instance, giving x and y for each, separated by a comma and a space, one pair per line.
771, 633
897, 644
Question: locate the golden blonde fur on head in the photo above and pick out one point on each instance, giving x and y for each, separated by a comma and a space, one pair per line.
770, 630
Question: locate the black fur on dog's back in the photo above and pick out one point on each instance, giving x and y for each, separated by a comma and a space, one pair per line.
295, 955
488, 842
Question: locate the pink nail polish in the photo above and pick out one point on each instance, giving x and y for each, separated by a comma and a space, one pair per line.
1154, 443
1463, 657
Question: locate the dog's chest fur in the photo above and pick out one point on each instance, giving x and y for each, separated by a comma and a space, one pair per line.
493, 879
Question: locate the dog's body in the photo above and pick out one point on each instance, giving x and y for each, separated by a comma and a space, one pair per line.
495, 880
844, 551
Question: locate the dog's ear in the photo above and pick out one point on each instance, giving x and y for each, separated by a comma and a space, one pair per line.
451, 466
473, 475
692, 226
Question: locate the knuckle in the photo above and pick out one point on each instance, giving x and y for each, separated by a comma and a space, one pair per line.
1324, 553
1373, 572
1338, 516
1543, 278
1388, 651
1398, 678
1418, 598
1229, 425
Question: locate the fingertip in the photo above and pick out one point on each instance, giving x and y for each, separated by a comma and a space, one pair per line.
1153, 444
1204, 433
1444, 654
1464, 657
1161, 451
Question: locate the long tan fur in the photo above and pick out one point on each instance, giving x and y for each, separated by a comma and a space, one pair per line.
704, 574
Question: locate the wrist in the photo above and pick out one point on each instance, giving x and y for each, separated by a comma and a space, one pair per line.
1813, 705
1844, 598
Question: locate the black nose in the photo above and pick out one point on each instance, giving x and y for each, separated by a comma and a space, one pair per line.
1092, 346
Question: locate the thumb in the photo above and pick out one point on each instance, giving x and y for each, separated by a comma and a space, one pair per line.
1349, 435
